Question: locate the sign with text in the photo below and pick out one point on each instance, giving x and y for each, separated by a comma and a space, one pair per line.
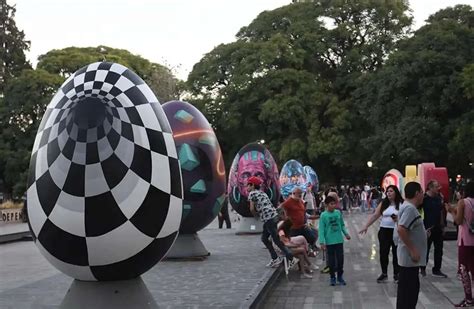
12, 215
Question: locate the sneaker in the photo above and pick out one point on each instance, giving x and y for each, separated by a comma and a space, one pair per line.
423, 272
314, 266
333, 281
438, 273
382, 278
275, 262
395, 278
325, 270
292, 264
465, 304
341, 281
306, 276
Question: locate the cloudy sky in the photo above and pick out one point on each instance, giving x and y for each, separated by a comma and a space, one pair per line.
176, 33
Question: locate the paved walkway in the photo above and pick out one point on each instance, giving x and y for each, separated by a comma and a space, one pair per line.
231, 277
361, 269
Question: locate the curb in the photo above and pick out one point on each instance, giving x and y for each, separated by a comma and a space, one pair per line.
255, 298
15, 237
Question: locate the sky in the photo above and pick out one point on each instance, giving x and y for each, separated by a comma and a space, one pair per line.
176, 33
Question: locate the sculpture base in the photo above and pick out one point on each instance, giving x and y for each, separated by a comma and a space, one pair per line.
108, 294
187, 246
249, 225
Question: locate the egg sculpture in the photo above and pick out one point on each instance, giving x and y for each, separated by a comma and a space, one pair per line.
428, 171
202, 165
292, 175
393, 177
252, 160
104, 188
311, 178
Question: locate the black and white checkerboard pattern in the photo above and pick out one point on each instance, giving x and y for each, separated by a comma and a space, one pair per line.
104, 188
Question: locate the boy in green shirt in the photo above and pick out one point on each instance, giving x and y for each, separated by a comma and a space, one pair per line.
331, 230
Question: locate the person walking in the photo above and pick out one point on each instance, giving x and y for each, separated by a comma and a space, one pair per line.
363, 201
331, 231
387, 210
223, 215
411, 247
463, 216
434, 220
260, 204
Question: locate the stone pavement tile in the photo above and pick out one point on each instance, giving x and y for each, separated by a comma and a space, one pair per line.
362, 267
233, 272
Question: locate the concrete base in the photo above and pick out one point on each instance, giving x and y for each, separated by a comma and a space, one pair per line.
187, 246
249, 226
108, 294
13, 232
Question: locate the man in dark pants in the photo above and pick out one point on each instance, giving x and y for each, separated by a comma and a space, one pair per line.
224, 215
434, 220
411, 250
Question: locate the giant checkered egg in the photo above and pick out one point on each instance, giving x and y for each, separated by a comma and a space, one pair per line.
201, 163
104, 188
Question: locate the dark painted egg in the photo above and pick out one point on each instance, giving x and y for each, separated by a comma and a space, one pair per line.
201, 163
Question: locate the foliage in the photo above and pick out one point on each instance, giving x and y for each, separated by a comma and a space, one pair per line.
289, 78
420, 102
12, 46
25, 101
68, 60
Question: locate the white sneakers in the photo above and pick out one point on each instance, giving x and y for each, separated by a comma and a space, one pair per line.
292, 264
275, 262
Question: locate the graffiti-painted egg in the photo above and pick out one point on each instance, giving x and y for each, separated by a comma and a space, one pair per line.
252, 160
292, 175
201, 163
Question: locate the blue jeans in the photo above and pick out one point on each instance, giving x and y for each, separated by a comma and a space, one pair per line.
363, 206
374, 204
270, 230
336, 259
308, 234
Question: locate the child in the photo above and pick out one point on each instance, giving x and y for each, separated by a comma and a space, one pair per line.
261, 204
331, 229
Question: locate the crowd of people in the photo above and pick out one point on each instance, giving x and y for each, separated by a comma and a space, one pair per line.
408, 227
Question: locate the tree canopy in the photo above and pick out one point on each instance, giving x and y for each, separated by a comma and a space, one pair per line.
290, 75
12, 46
420, 103
28, 92
68, 60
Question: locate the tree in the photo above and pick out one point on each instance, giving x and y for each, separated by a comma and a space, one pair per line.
290, 75
21, 110
68, 60
12, 46
419, 102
